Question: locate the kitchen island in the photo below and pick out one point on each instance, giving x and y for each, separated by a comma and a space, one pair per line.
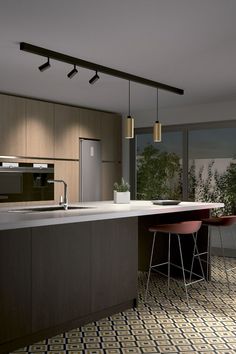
61, 269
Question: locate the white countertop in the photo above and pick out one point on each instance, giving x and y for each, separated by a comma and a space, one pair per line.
19, 218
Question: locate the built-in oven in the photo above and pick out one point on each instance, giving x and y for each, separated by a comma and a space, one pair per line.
21, 181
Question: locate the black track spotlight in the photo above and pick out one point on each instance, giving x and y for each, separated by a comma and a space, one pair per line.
94, 79
72, 73
45, 66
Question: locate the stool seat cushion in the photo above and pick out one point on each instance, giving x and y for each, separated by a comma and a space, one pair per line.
220, 221
182, 228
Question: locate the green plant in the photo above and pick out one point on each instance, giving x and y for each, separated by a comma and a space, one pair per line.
121, 187
159, 174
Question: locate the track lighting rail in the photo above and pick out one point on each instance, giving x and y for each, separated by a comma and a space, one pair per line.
96, 67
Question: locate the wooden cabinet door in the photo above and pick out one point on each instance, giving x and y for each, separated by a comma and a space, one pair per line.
12, 126
68, 171
60, 274
111, 137
90, 124
39, 129
114, 262
66, 132
111, 173
15, 284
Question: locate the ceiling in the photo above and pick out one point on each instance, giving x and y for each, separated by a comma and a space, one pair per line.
190, 44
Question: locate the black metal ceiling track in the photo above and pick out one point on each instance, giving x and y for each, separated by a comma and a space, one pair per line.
96, 67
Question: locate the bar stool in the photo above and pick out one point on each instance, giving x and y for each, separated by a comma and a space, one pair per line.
186, 228
218, 223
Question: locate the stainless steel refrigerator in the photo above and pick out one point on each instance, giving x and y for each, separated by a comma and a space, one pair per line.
90, 170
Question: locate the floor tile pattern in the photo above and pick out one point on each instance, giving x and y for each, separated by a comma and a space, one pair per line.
162, 325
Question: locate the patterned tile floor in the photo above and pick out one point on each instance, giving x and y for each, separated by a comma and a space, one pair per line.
160, 326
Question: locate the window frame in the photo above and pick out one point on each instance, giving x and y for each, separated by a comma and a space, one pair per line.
185, 129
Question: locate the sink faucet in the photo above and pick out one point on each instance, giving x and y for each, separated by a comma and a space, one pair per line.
64, 202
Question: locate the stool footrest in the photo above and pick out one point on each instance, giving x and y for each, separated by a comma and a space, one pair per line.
177, 266
200, 254
179, 281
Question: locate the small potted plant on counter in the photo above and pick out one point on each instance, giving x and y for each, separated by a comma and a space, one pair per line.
121, 192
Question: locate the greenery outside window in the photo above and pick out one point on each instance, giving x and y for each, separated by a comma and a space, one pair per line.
193, 162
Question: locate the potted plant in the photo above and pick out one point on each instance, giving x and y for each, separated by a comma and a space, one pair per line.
121, 192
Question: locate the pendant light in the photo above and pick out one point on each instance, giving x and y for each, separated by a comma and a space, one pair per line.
129, 124
157, 127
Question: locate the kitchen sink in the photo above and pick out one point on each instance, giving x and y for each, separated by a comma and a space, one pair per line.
49, 208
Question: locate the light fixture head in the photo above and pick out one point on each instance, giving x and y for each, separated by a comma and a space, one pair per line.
45, 66
72, 73
157, 132
129, 124
94, 79
129, 127
157, 127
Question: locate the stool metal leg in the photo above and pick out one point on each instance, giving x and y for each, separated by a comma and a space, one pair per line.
169, 264
223, 255
193, 258
150, 266
199, 260
234, 238
182, 264
209, 252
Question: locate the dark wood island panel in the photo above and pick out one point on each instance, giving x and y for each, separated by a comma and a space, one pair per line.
55, 278
15, 284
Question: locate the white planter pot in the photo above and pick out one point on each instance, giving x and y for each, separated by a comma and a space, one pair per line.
121, 197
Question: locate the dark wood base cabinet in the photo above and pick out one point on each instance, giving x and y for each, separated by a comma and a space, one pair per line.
55, 278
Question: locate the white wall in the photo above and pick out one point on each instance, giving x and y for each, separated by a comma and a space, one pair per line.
217, 111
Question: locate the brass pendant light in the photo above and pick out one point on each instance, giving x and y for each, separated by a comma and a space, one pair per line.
157, 127
129, 123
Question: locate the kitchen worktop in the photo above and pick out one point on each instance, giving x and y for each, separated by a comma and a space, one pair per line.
63, 269
19, 217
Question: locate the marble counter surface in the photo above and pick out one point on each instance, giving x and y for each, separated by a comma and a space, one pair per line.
20, 217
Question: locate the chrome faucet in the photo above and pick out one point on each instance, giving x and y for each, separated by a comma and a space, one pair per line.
64, 202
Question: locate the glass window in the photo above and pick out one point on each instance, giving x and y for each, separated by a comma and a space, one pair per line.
159, 166
212, 166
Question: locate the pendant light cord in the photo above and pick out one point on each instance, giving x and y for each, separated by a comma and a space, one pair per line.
129, 98
157, 106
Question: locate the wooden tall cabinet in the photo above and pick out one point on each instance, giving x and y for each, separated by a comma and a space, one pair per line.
111, 153
111, 173
12, 126
69, 172
111, 137
39, 129
66, 132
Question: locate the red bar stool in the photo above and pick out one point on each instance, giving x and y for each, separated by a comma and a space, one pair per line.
186, 228
218, 223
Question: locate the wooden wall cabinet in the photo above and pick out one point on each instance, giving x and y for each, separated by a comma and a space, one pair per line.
12, 126
66, 132
39, 129
90, 124
69, 172
36, 129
